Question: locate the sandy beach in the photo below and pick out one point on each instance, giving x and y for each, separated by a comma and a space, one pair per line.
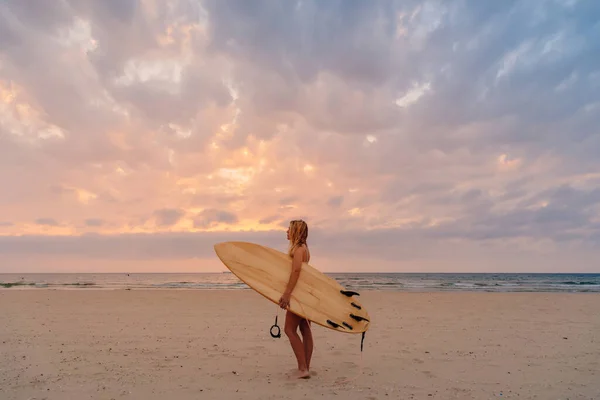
195, 344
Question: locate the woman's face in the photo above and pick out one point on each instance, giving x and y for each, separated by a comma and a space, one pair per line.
288, 233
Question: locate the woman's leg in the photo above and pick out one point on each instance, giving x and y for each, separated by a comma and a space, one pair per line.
308, 341
291, 326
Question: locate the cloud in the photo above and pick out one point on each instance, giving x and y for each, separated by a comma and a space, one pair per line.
382, 123
351, 250
269, 219
168, 216
211, 217
335, 201
94, 222
47, 222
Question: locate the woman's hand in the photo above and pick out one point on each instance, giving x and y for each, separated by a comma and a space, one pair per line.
284, 301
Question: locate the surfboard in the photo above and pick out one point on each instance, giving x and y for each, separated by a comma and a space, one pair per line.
316, 296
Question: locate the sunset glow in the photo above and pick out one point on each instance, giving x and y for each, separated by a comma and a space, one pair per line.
415, 140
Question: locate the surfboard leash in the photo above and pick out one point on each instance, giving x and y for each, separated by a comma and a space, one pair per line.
275, 326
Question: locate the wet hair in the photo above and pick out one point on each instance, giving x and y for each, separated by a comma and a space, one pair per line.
298, 235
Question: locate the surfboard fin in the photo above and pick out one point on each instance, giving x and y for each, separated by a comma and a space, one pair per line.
349, 293
347, 325
353, 304
330, 322
358, 318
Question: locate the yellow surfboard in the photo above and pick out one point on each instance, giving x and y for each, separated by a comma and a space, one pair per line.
316, 296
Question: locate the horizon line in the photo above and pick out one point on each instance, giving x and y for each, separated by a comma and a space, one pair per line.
324, 272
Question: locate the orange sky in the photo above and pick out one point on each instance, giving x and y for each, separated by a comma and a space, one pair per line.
133, 136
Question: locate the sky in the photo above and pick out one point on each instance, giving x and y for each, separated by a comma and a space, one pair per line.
412, 136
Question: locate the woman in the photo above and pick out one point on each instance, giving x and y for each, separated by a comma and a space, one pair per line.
303, 348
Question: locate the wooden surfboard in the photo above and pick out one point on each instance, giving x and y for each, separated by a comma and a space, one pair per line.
316, 296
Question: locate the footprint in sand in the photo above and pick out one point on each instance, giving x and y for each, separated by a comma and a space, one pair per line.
428, 374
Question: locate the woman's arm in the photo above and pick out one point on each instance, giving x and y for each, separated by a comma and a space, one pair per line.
284, 301
296, 266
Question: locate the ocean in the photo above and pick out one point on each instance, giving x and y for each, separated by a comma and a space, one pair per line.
404, 282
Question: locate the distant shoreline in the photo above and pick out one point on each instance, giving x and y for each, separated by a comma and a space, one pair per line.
325, 272
400, 282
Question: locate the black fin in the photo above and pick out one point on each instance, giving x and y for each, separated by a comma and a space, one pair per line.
330, 322
358, 318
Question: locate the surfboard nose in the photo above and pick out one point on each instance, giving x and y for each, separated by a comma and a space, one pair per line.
219, 247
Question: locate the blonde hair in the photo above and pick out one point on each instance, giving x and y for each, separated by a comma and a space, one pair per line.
298, 235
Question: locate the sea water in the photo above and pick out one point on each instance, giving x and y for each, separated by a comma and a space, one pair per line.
406, 282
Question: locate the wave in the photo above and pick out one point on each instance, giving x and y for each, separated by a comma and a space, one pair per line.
44, 285
11, 284
568, 283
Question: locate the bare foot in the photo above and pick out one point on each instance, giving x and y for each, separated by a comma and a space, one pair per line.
298, 374
295, 370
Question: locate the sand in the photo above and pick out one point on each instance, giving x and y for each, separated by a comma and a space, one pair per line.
182, 344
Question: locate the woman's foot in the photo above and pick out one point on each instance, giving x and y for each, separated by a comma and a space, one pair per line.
299, 374
293, 371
